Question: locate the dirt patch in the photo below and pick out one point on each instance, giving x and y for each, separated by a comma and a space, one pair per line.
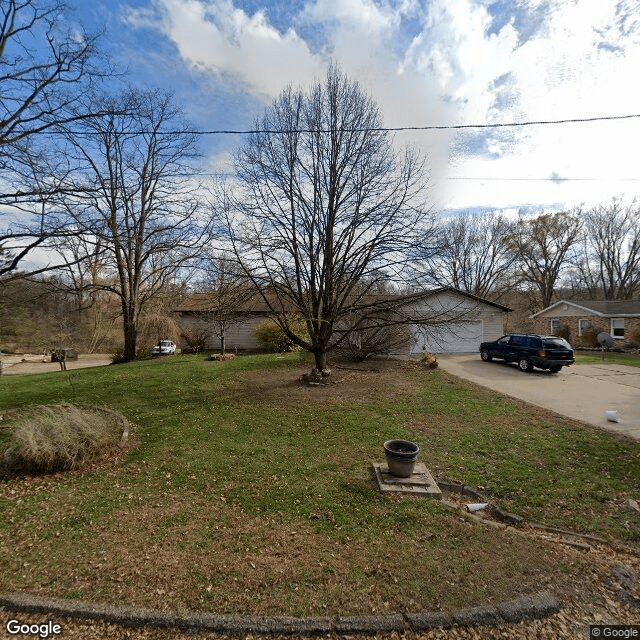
349, 383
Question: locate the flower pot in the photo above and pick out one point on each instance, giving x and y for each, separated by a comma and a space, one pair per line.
401, 457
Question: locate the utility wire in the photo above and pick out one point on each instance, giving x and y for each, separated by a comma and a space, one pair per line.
557, 179
434, 127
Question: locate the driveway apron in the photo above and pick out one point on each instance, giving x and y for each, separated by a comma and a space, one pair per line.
583, 391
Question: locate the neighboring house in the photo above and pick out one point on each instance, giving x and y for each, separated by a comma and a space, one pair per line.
583, 320
457, 322
196, 317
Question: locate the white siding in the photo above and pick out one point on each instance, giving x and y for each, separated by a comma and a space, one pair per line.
237, 336
468, 323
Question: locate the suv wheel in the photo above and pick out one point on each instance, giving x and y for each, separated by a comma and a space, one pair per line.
485, 355
555, 369
525, 365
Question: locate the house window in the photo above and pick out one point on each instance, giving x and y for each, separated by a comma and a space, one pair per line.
617, 327
583, 325
555, 326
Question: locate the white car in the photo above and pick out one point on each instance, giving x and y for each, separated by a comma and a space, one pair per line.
164, 348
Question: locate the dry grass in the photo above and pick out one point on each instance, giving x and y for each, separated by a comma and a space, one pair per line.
46, 439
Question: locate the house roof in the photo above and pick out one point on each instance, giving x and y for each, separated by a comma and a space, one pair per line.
203, 302
472, 297
602, 308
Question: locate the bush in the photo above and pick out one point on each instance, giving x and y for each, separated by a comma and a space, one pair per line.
376, 340
634, 339
590, 336
429, 360
271, 336
118, 357
45, 439
196, 338
564, 332
143, 353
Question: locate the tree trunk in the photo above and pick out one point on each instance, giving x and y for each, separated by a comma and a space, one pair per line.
130, 339
223, 342
320, 369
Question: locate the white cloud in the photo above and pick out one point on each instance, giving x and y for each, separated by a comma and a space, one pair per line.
217, 37
450, 61
581, 60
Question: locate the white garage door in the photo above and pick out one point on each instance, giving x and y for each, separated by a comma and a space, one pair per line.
462, 337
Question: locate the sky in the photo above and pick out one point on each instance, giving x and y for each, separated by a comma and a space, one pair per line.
426, 63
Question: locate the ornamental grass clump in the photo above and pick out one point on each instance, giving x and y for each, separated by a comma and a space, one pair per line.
46, 439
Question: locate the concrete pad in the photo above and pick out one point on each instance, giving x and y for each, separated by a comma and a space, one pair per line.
420, 483
582, 392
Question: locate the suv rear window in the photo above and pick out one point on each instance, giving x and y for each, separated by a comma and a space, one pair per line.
550, 343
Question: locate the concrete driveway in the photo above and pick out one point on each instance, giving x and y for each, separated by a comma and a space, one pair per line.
583, 391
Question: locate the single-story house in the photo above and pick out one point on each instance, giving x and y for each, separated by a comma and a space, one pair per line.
446, 321
581, 321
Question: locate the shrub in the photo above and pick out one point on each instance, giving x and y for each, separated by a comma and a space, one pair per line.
429, 360
564, 332
45, 439
196, 338
376, 340
590, 336
269, 334
634, 339
143, 353
118, 357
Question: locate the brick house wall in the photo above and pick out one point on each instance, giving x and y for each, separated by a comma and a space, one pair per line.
584, 336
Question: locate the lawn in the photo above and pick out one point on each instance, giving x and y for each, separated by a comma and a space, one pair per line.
251, 493
610, 357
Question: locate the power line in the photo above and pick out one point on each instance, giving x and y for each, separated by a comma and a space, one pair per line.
557, 179
434, 127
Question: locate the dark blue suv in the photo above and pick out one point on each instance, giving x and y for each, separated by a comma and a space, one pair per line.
530, 350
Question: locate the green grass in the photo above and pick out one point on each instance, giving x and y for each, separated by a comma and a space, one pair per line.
610, 357
238, 501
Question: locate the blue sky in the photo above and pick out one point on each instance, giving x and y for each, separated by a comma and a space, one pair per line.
429, 62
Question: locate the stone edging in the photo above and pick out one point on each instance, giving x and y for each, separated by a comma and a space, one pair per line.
505, 518
539, 605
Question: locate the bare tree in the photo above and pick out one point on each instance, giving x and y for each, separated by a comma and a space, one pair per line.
45, 67
139, 201
326, 210
474, 254
544, 246
609, 265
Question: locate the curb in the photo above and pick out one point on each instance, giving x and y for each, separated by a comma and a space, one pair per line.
540, 605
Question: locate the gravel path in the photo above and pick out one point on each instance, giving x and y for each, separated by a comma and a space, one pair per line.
13, 364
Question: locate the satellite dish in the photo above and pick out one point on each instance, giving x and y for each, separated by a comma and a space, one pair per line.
605, 340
